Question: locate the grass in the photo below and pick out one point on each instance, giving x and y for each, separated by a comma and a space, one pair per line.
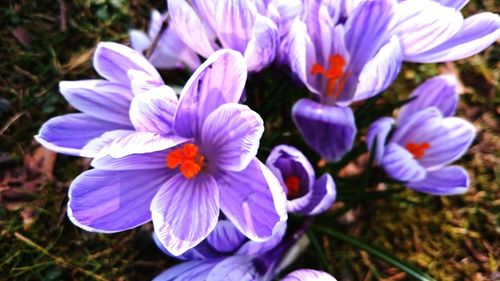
43, 42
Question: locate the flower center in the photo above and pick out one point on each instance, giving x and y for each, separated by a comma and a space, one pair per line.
334, 74
292, 184
188, 158
417, 149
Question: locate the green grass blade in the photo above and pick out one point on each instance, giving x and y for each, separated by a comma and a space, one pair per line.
376, 252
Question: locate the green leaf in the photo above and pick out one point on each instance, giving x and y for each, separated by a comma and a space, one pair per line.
376, 252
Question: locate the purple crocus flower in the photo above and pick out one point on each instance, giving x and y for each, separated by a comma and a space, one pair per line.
206, 26
180, 168
305, 194
435, 31
226, 240
256, 267
170, 52
425, 140
341, 62
104, 103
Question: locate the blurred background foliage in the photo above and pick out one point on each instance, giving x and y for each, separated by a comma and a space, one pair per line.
43, 42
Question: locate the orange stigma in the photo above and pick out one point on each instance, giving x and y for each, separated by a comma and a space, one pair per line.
417, 149
188, 157
334, 74
292, 184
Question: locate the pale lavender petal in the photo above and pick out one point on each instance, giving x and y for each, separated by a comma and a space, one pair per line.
448, 139
196, 270
323, 195
477, 33
225, 238
147, 161
173, 52
457, 4
234, 21
414, 122
70, 133
424, 24
440, 92
380, 72
113, 201
219, 80
309, 275
142, 142
230, 136
367, 30
301, 53
206, 10
185, 211
235, 268
99, 98
139, 40
252, 248
113, 61
253, 200
189, 27
200, 252
450, 180
262, 45
379, 130
329, 130
154, 111
400, 164
287, 161
96, 147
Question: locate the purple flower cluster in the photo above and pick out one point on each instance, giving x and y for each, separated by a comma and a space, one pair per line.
188, 161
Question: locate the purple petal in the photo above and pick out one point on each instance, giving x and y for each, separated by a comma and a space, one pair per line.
147, 161
440, 92
196, 270
400, 164
139, 40
253, 200
252, 248
173, 52
219, 80
98, 146
142, 142
185, 211
449, 140
329, 130
113, 61
379, 72
230, 136
263, 44
367, 30
287, 161
477, 33
225, 238
424, 24
323, 196
234, 268
189, 27
112, 201
154, 111
309, 275
70, 133
450, 180
457, 4
301, 53
380, 130
99, 98
234, 21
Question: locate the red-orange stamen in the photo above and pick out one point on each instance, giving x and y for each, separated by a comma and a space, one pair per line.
188, 157
293, 185
336, 78
417, 149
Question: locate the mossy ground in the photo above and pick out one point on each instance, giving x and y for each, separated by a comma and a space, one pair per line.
43, 42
